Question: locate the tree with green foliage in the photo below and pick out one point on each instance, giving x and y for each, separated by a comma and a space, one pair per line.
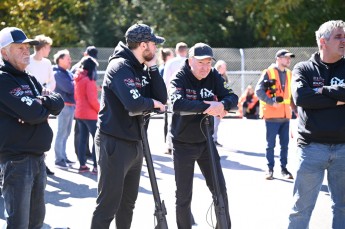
221, 23
59, 19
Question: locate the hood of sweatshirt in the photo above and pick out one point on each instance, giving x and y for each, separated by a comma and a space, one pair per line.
122, 51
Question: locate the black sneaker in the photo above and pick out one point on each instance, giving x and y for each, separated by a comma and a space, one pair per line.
269, 174
61, 165
218, 144
169, 151
49, 172
286, 174
70, 163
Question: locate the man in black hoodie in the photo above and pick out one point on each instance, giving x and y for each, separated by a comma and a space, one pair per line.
25, 133
318, 89
198, 88
131, 84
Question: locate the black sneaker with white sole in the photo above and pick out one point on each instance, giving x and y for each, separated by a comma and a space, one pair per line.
286, 174
61, 165
69, 163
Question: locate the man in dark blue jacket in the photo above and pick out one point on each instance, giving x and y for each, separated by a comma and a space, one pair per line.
198, 88
131, 83
64, 86
25, 134
318, 89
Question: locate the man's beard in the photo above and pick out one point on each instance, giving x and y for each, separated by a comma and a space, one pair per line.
147, 55
285, 65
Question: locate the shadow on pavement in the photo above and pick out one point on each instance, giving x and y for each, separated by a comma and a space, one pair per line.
67, 189
227, 164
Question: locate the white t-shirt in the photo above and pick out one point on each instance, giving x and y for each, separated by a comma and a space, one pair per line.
43, 71
171, 67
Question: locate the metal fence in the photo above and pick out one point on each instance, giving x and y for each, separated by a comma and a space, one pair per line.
244, 65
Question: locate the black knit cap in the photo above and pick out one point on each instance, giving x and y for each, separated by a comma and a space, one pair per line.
142, 33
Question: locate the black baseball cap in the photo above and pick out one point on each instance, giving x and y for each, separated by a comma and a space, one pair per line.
142, 33
284, 52
11, 35
92, 51
201, 51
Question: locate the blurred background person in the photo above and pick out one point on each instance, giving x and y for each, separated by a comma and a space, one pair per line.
42, 68
65, 87
90, 51
175, 64
221, 67
165, 54
248, 104
86, 111
171, 68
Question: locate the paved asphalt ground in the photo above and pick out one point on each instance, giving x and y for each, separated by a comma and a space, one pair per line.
255, 203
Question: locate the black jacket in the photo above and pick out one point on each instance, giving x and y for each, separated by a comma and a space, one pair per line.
18, 91
188, 93
127, 87
320, 119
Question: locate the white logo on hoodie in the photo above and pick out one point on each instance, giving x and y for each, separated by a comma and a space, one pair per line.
337, 81
27, 100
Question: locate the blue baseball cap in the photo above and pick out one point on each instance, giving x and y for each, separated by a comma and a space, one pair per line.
11, 35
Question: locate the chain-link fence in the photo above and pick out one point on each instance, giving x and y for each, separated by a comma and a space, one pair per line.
244, 65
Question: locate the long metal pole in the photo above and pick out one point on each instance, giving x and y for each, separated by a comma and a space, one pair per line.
218, 198
160, 210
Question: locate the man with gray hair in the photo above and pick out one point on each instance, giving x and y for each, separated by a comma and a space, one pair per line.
197, 88
318, 90
64, 86
25, 133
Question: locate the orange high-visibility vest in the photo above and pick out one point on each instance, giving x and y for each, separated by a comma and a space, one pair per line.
284, 110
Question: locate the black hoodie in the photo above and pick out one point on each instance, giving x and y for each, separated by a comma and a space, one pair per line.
320, 119
127, 87
188, 93
18, 92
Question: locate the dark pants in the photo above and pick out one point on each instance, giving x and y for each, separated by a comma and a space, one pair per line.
77, 139
185, 156
85, 128
120, 164
23, 190
272, 130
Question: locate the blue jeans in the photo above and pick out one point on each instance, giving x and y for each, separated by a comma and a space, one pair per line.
23, 190
272, 130
65, 119
314, 160
86, 127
